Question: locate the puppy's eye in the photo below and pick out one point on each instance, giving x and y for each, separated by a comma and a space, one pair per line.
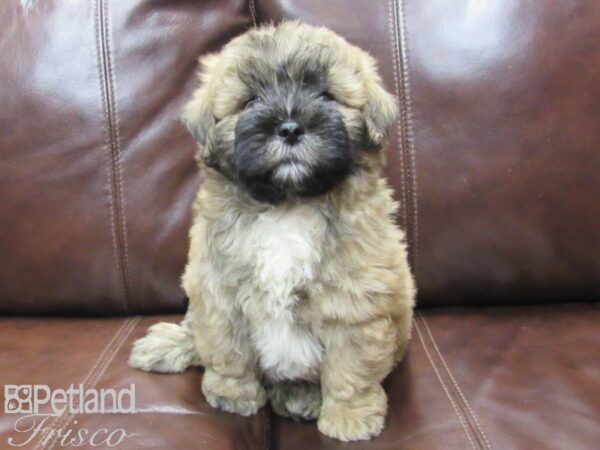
326, 96
253, 100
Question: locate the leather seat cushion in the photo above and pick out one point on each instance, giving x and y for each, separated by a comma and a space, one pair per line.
510, 377
170, 409
503, 378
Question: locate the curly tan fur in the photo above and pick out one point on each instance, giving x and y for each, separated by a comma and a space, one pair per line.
330, 271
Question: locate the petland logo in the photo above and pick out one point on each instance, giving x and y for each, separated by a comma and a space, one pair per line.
40, 404
27, 399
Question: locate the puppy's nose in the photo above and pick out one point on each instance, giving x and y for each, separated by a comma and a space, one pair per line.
290, 131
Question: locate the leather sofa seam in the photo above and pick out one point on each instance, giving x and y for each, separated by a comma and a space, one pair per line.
395, 52
405, 128
100, 371
459, 414
408, 133
117, 141
478, 430
106, 146
113, 145
91, 378
266, 428
252, 7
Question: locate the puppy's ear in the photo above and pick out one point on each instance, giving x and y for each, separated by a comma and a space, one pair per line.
198, 114
380, 110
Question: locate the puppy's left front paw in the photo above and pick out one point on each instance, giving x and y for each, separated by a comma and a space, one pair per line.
351, 427
359, 418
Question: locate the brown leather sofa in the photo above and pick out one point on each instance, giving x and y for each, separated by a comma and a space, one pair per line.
495, 159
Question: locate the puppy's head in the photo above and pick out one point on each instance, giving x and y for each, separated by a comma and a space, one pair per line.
288, 111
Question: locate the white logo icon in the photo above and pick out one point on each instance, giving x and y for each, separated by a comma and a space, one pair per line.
18, 399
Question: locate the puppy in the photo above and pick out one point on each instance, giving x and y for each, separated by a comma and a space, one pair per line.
297, 277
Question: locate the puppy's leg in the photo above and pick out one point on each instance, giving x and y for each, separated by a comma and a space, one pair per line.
403, 318
299, 400
166, 348
403, 309
357, 359
230, 381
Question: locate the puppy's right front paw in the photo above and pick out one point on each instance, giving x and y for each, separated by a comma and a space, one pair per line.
244, 396
167, 348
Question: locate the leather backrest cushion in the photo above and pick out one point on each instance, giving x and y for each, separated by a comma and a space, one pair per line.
493, 158
96, 173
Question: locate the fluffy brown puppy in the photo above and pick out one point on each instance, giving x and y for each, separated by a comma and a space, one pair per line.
297, 275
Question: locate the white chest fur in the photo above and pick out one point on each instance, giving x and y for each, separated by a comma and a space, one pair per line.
286, 248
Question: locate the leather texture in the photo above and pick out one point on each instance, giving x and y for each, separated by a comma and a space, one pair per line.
493, 157
495, 377
494, 160
170, 410
97, 174
505, 112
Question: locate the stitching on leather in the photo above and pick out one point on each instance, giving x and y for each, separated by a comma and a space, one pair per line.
459, 390
460, 416
117, 146
408, 135
58, 420
113, 145
252, 7
392, 32
97, 373
60, 424
113, 226
100, 372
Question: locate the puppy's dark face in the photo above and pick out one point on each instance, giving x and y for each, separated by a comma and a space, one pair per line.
285, 112
290, 139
